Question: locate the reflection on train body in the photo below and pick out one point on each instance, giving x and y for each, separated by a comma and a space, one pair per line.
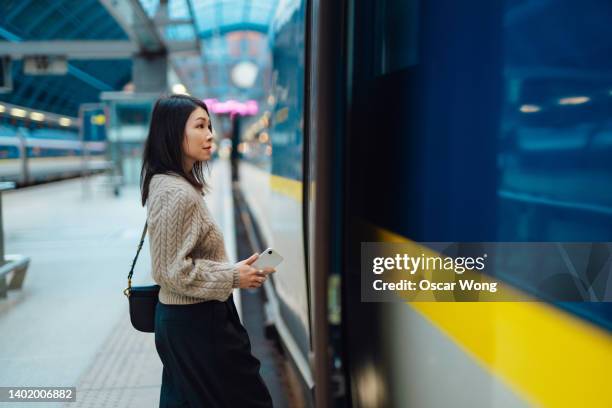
448, 121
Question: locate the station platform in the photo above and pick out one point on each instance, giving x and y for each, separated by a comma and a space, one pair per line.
69, 325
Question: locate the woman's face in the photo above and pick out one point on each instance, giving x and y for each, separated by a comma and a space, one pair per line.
198, 139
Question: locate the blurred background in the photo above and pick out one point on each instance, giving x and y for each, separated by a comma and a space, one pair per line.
78, 80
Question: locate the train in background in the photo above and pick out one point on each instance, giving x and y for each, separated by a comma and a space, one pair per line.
33, 153
437, 121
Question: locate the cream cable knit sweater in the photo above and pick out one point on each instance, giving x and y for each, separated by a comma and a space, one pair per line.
187, 250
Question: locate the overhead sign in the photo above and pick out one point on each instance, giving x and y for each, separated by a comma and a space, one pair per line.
45, 65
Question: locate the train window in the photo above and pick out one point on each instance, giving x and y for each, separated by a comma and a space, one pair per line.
396, 26
555, 141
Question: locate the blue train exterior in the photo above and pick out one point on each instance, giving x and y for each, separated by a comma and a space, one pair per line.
287, 38
478, 121
484, 121
271, 181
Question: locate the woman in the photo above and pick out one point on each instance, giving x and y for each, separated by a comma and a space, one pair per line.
204, 348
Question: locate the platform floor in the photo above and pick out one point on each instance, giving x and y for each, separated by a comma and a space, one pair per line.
69, 324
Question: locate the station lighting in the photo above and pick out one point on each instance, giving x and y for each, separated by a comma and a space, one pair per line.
37, 116
98, 120
574, 100
530, 108
179, 89
18, 113
2, 108
65, 122
244, 74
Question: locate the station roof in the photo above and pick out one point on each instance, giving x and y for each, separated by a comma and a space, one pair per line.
230, 32
219, 17
84, 20
45, 20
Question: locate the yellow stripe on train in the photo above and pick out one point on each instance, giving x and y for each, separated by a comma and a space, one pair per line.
546, 355
549, 357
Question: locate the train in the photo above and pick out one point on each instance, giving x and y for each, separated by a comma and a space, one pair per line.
437, 121
33, 156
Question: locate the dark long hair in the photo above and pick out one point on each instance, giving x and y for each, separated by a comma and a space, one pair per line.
163, 150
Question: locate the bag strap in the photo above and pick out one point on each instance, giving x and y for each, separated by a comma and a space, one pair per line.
142, 238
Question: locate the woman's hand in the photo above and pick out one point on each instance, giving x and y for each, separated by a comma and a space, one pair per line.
251, 277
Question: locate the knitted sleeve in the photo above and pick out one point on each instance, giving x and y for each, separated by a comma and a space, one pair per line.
174, 227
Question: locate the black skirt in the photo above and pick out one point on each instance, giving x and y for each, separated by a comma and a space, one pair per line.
207, 357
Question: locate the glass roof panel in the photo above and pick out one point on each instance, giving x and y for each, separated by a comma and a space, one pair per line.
219, 16
179, 9
260, 14
232, 15
180, 32
149, 6
206, 24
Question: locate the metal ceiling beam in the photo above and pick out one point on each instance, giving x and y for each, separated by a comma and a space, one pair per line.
83, 31
76, 72
162, 22
61, 25
42, 16
178, 48
21, 6
192, 16
149, 39
7, 35
221, 30
96, 49
130, 15
183, 46
272, 11
103, 28
196, 27
119, 10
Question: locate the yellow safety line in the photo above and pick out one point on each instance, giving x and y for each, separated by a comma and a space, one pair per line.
286, 186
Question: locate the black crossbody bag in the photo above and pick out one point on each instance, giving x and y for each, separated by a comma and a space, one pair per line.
142, 299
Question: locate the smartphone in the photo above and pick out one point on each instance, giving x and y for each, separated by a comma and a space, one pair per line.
267, 259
